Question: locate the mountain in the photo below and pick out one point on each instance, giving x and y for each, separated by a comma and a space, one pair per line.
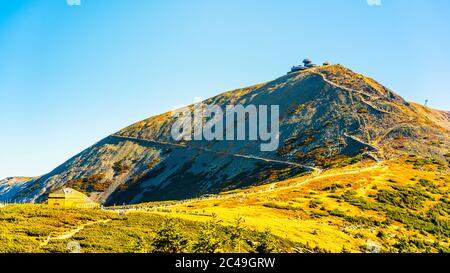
10, 187
329, 116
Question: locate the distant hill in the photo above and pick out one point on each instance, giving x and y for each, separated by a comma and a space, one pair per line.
329, 117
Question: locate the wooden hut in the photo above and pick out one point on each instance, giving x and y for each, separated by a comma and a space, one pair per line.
70, 198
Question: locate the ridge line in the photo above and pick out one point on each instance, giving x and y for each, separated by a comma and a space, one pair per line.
218, 152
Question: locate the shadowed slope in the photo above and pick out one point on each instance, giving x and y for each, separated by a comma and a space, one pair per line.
329, 116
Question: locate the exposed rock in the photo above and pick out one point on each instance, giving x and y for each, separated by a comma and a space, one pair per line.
326, 113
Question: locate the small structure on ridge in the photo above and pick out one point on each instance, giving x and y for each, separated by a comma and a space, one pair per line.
307, 63
70, 198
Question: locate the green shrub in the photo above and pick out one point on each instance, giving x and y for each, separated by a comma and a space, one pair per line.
169, 239
265, 242
314, 203
236, 233
38, 232
403, 197
208, 239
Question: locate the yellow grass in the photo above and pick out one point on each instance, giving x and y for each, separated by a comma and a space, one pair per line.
328, 232
319, 210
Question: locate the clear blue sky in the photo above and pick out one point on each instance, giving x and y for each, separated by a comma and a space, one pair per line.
71, 75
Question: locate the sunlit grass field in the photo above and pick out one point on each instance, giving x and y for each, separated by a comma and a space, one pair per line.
400, 205
39, 228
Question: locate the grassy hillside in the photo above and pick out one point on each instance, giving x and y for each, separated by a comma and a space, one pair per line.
358, 169
328, 114
400, 205
39, 228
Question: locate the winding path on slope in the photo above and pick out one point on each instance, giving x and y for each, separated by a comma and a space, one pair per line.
378, 139
344, 87
273, 187
355, 91
370, 168
70, 234
317, 170
376, 148
217, 152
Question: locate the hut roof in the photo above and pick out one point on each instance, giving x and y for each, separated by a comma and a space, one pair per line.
70, 193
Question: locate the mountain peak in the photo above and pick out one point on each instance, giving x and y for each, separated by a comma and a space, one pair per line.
328, 115
343, 77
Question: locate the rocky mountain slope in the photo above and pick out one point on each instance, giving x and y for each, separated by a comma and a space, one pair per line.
329, 116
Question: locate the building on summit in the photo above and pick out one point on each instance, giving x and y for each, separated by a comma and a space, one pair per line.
70, 198
307, 63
